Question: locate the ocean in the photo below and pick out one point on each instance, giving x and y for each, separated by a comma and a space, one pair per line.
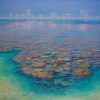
29, 36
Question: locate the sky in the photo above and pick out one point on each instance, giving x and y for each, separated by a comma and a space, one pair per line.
50, 6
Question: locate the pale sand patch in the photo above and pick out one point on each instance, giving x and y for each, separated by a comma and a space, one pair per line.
8, 92
94, 96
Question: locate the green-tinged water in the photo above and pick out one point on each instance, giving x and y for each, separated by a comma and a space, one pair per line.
16, 86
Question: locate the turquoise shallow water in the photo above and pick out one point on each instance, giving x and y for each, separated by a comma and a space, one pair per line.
15, 86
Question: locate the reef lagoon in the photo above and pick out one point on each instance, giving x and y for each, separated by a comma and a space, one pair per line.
49, 60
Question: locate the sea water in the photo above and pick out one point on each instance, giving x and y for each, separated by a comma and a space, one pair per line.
14, 85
